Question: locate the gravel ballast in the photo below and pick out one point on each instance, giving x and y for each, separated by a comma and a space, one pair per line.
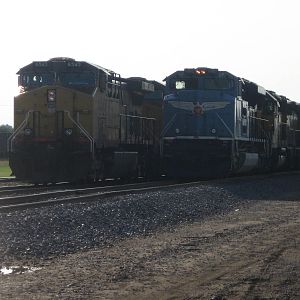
62, 229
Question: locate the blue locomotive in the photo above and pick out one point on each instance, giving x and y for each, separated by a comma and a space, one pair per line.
217, 124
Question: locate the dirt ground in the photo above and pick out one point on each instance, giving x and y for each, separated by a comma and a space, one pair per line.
251, 253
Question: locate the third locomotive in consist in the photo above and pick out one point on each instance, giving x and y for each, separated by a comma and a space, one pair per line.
216, 124
75, 120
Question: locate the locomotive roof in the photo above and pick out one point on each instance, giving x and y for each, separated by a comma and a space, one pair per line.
157, 84
192, 71
59, 63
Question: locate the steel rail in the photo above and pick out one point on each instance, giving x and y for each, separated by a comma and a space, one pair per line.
97, 193
73, 195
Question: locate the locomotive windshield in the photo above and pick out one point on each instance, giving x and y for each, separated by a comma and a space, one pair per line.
184, 83
208, 84
83, 81
77, 78
201, 83
36, 79
217, 83
201, 79
66, 72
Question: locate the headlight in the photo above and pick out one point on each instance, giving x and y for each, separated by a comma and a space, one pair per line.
68, 131
28, 131
51, 95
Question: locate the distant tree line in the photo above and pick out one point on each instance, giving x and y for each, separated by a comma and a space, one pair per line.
5, 132
6, 128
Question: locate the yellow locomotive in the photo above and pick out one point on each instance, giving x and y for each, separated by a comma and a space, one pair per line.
75, 120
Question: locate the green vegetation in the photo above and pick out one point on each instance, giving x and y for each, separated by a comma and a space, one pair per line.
6, 128
4, 168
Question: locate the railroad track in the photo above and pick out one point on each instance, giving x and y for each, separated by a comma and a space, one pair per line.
42, 198
28, 188
21, 189
7, 179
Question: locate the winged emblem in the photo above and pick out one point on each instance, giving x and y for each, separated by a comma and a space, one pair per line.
198, 108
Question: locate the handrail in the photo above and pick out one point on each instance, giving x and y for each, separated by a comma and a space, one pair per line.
165, 129
83, 130
137, 117
17, 131
144, 122
256, 118
268, 93
168, 125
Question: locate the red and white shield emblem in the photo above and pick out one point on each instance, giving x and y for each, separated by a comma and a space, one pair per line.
198, 109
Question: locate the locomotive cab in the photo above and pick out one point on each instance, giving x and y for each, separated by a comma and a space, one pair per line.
53, 124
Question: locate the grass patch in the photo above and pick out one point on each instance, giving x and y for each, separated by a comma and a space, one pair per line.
5, 170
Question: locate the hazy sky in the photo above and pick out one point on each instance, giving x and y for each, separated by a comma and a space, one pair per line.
257, 39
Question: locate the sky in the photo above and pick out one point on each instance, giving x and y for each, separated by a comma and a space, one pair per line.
257, 40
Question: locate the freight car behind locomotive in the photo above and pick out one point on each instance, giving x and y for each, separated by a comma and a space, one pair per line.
216, 124
76, 120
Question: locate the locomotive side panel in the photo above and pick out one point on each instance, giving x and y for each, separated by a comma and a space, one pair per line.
137, 136
106, 121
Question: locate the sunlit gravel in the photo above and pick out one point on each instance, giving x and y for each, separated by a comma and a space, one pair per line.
62, 229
